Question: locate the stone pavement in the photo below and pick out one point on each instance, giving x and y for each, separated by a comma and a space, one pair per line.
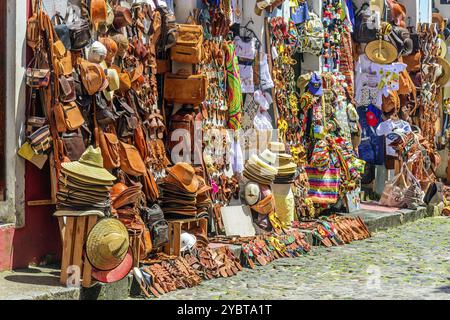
408, 262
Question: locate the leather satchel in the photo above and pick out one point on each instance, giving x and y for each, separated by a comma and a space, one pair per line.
110, 146
188, 48
67, 92
73, 145
185, 89
73, 117
131, 161
80, 33
60, 118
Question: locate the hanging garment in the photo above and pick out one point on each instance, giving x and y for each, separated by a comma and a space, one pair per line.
234, 91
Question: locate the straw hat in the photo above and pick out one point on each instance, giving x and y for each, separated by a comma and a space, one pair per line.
107, 244
90, 166
277, 147
184, 173
387, 55
443, 48
187, 241
445, 77
116, 274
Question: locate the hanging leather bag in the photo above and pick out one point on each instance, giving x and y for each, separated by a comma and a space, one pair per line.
62, 31
131, 161
186, 89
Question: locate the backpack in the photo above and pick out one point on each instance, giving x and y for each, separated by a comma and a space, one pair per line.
365, 30
313, 35
158, 226
169, 29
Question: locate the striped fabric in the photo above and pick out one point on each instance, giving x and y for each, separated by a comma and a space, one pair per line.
323, 185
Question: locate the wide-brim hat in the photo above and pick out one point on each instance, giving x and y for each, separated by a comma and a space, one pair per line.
202, 186
184, 173
386, 55
256, 161
302, 81
90, 166
107, 244
443, 48
187, 240
277, 147
445, 76
116, 274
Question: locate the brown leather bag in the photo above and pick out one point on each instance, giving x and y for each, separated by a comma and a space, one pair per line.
141, 143
131, 161
60, 118
189, 44
73, 117
186, 89
150, 188
110, 147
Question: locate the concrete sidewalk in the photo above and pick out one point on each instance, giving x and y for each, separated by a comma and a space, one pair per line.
37, 283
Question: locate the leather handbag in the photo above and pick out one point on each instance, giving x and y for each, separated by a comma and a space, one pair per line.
110, 147
365, 31
62, 31
33, 31
105, 112
188, 48
41, 140
73, 145
67, 93
131, 161
265, 206
185, 89
401, 38
65, 66
122, 17
150, 187
73, 117
80, 32
38, 78
60, 118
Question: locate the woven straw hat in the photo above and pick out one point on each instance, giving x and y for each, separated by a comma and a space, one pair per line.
445, 77
116, 274
386, 55
89, 166
107, 244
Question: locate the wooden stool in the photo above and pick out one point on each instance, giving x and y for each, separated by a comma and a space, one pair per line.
74, 232
175, 228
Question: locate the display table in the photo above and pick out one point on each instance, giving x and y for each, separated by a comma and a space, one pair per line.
75, 267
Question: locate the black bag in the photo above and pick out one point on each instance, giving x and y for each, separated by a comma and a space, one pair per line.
62, 31
128, 120
105, 111
74, 144
364, 30
80, 32
401, 39
158, 226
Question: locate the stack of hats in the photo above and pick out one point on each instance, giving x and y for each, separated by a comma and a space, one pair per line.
287, 169
179, 191
204, 202
260, 169
85, 184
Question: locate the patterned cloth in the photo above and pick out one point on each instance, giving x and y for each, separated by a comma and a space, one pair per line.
234, 91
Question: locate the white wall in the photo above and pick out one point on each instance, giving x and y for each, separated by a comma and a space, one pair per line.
12, 210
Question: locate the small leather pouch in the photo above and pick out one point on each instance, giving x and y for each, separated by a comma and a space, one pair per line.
38, 78
265, 206
67, 92
185, 89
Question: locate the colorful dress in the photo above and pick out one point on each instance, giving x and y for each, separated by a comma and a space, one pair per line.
234, 91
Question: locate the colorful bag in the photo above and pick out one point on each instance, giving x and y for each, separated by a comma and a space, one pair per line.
323, 185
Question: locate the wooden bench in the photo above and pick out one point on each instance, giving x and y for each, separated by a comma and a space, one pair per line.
175, 228
74, 232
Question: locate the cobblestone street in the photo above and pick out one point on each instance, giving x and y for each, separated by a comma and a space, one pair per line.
409, 262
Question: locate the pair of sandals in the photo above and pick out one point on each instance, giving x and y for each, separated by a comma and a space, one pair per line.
351, 229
